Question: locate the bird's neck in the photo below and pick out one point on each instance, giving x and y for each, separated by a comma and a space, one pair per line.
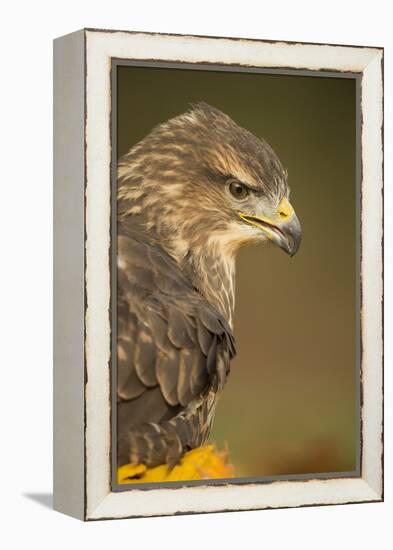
210, 265
213, 274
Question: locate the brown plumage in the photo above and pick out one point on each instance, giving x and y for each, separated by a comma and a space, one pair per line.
189, 195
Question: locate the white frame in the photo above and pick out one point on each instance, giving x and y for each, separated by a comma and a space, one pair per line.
86, 491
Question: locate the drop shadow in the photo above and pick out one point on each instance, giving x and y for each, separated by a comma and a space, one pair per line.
45, 499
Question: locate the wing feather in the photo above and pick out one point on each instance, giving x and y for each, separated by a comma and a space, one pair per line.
184, 390
145, 356
204, 337
167, 369
177, 328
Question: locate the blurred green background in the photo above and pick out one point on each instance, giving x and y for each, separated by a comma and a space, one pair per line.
290, 404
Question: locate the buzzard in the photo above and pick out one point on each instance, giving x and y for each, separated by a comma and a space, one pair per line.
190, 194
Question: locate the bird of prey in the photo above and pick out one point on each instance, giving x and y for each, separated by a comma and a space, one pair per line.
190, 194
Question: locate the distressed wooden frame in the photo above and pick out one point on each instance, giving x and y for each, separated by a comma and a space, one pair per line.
82, 241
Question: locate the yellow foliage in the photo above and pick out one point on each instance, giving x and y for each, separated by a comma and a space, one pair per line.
201, 463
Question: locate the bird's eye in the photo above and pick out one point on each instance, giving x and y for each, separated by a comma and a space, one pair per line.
237, 189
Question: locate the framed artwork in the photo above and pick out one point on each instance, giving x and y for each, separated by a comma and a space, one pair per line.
218, 274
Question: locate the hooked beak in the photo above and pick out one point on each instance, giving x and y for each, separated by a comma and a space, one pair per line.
284, 229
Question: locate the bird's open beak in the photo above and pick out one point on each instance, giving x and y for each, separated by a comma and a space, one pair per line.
283, 229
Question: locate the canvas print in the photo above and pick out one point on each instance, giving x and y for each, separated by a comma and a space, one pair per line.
236, 275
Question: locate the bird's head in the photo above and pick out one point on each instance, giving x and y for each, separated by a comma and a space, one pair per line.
200, 179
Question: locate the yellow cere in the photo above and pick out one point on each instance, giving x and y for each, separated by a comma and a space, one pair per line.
285, 209
201, 463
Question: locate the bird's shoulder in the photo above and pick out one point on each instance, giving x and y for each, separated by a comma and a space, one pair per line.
168, 334
148, 267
